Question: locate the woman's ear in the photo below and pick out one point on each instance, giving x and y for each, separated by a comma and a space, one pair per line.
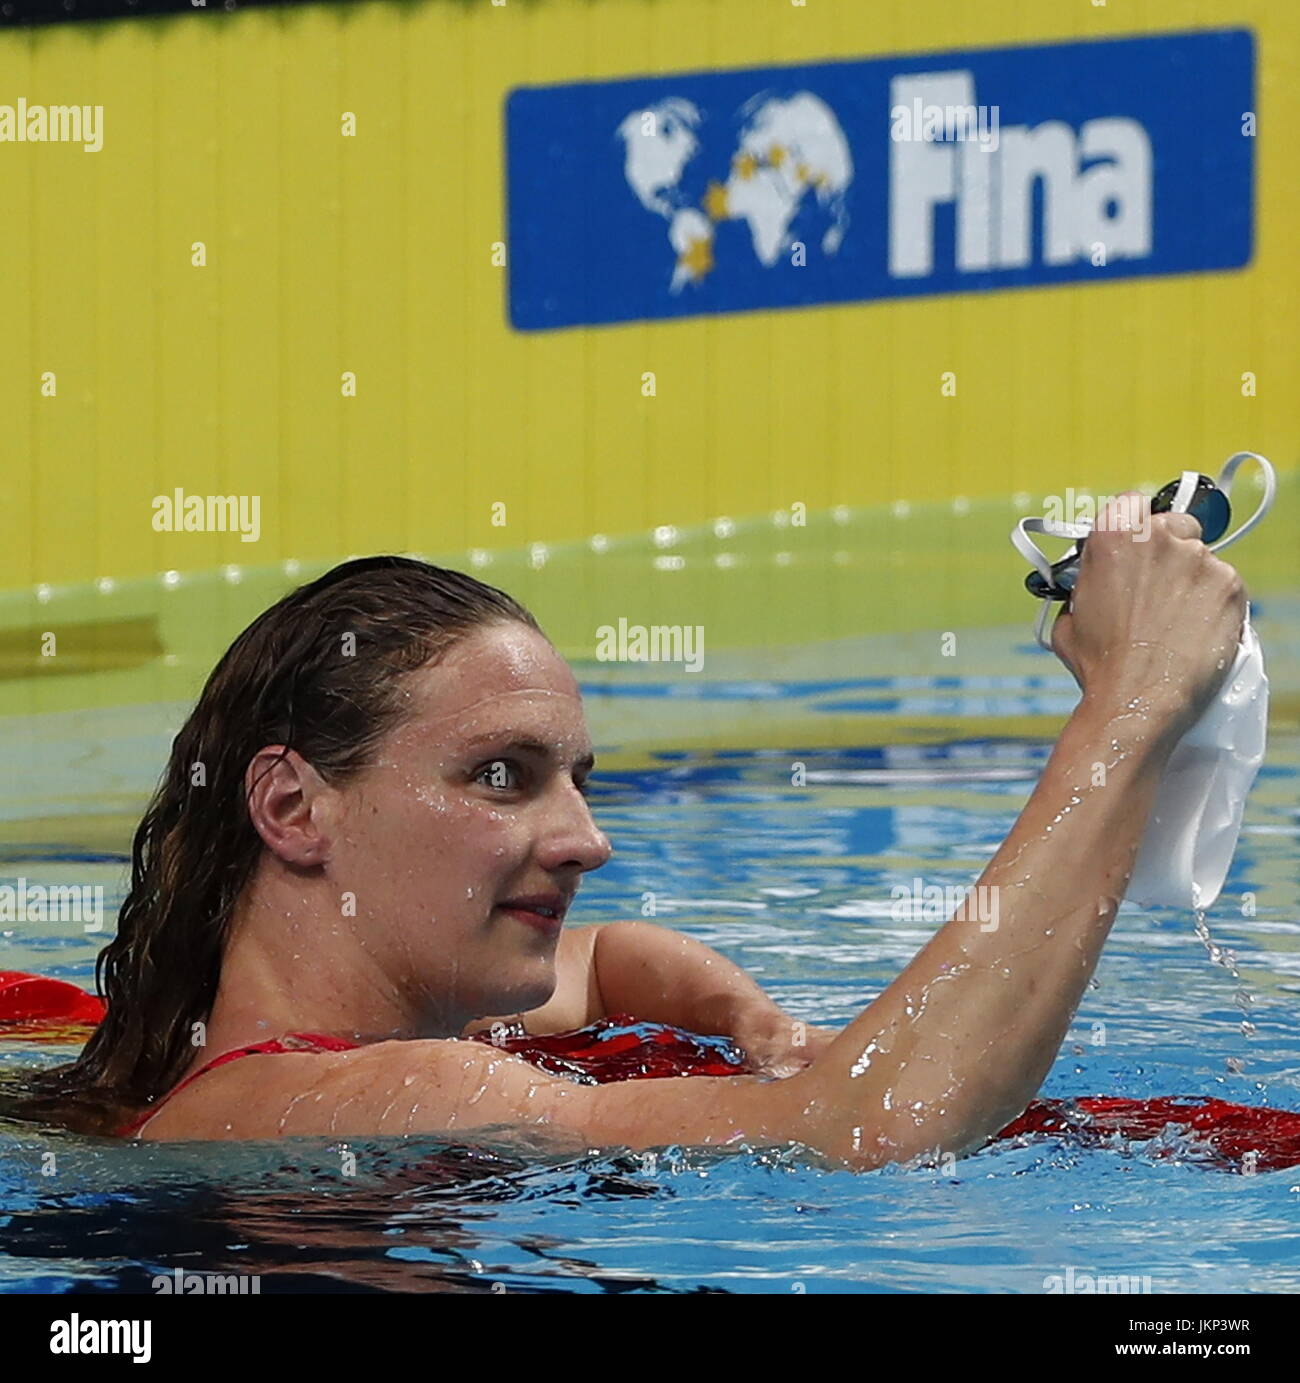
287, 805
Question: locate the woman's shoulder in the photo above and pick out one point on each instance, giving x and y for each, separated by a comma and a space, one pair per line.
350, 1092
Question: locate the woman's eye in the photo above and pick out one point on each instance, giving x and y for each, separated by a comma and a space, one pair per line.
500, 773
509, 775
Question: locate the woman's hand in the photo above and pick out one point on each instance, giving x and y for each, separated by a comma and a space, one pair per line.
1155, 621
778, 1045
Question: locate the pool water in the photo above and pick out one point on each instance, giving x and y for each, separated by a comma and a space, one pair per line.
794, 884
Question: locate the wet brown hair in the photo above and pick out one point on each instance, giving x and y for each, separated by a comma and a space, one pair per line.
294, 677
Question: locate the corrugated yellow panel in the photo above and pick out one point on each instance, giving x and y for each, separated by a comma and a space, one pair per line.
333, 257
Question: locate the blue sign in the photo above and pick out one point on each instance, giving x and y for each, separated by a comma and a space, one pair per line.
850, 181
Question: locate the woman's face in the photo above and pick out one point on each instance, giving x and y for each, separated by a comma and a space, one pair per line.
474, 801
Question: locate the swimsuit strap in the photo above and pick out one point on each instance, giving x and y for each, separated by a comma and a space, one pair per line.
291, 1042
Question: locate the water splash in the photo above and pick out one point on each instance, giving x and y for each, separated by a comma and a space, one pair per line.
1243, 999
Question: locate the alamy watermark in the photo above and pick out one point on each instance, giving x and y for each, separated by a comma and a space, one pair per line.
1073, 1283
182, 513
24, 902
178, 1282
927, 121
656, 643
72, 1335
29, 124
922, 902
1118, 513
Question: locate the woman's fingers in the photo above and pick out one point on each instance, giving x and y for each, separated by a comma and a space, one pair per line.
1154, 614
1180, 525
1128, 512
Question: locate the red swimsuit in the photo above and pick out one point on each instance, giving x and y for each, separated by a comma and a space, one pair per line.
592, 1055
294, 1042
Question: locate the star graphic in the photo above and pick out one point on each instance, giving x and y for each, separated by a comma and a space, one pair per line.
697, 257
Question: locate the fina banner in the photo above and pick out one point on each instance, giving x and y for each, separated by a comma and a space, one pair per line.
890, 177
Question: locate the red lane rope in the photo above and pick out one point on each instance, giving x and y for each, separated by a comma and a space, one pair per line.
1254, 1137
33, 1005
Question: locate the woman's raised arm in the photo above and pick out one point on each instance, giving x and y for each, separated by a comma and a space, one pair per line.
959, 1043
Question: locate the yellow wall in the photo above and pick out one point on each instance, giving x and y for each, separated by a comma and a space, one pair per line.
372, 254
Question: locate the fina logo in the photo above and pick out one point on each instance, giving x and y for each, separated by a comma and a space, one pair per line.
943, 149
788, 151
1105, 209
881, 178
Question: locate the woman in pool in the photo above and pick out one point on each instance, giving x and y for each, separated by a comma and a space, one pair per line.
373, 825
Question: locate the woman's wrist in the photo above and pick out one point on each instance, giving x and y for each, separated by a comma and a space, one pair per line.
1144, 725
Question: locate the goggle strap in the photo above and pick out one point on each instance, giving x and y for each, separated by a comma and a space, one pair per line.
1043, 638
1224, 482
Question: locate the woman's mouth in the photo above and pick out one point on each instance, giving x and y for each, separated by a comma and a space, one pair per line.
547, 915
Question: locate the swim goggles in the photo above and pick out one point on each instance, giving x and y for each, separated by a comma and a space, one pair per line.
1192, 493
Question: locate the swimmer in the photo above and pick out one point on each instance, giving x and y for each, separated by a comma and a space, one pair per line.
373, 826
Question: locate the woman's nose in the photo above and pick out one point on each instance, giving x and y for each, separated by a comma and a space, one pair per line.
576, 839
592, 848
600, 849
